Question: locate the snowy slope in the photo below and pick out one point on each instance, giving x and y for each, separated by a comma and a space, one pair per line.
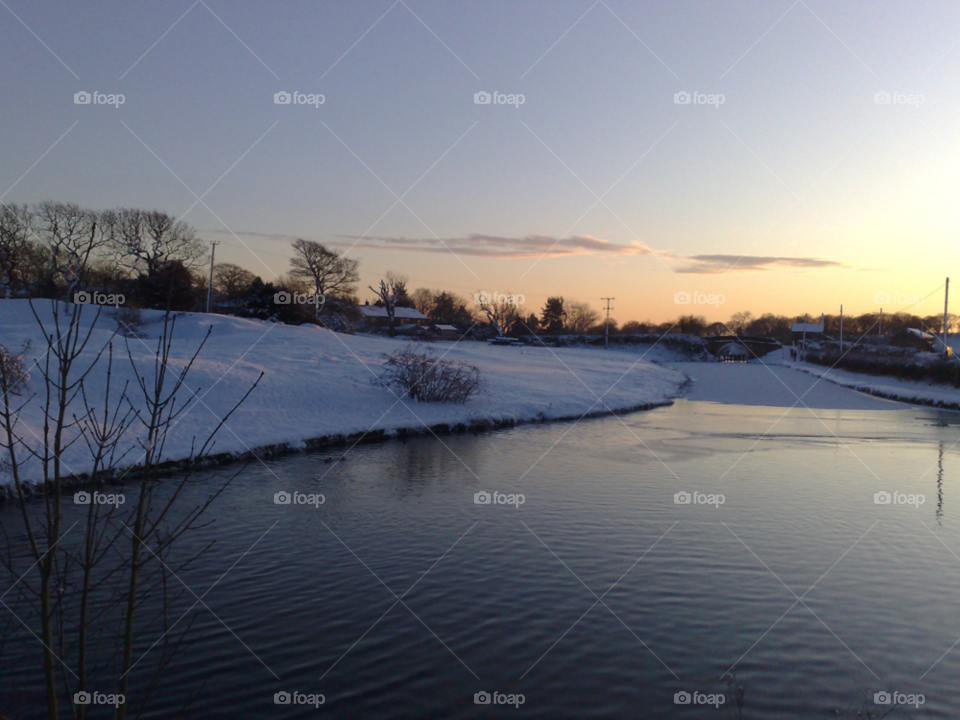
319, 384
919, 393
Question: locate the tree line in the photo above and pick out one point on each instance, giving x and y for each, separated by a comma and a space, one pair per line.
53, 250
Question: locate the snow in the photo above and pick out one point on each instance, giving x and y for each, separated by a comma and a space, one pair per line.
769, 384
319, 384
909, 391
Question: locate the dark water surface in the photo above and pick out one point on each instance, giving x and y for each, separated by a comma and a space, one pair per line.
685, 591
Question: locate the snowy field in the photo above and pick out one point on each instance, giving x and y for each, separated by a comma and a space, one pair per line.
319, 384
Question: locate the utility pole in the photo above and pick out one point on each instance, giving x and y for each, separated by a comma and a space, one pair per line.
880, 329
804, 342
606, 331
213, 250
841, 329
946, 296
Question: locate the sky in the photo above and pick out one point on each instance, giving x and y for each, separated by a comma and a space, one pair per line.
816, 164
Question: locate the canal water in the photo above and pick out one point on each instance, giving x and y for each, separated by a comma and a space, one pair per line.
603, 594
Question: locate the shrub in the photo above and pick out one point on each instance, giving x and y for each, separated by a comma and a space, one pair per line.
427, 378
13, 370
129, 321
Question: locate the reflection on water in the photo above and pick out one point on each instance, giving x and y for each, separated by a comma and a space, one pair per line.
599, 595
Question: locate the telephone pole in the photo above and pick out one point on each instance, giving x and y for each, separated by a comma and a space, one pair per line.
946, 295
606, 330
213, 250
841, 329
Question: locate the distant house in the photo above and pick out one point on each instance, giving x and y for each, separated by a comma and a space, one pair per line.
377, 316
446, 332
913, 338
811, 332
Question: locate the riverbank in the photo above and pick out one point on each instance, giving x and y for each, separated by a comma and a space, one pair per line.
908, 391
319, 388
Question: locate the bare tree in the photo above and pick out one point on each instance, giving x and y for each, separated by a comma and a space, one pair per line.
501, 310
424, 300
16, 233
739, 321
581, 317
72, 237
330, 272
145, 241
231, 280
86, 590
392, 289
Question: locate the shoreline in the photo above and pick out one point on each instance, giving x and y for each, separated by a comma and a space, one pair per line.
169, 468
866, 389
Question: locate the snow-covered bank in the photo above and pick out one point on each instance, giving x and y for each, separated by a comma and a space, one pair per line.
773, 385
917, 393
318, 384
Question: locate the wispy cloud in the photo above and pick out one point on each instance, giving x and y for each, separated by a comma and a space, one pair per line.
537, 246
528, 246
717, 264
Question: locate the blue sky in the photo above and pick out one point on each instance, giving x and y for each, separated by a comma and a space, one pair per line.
810, 190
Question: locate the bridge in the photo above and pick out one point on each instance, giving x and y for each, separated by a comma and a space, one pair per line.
742, 347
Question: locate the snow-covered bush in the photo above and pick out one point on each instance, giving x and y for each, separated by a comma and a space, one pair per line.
427, 378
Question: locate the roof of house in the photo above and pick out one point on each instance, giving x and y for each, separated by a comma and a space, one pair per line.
920, 334
446, 327
400, 313
807, 327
